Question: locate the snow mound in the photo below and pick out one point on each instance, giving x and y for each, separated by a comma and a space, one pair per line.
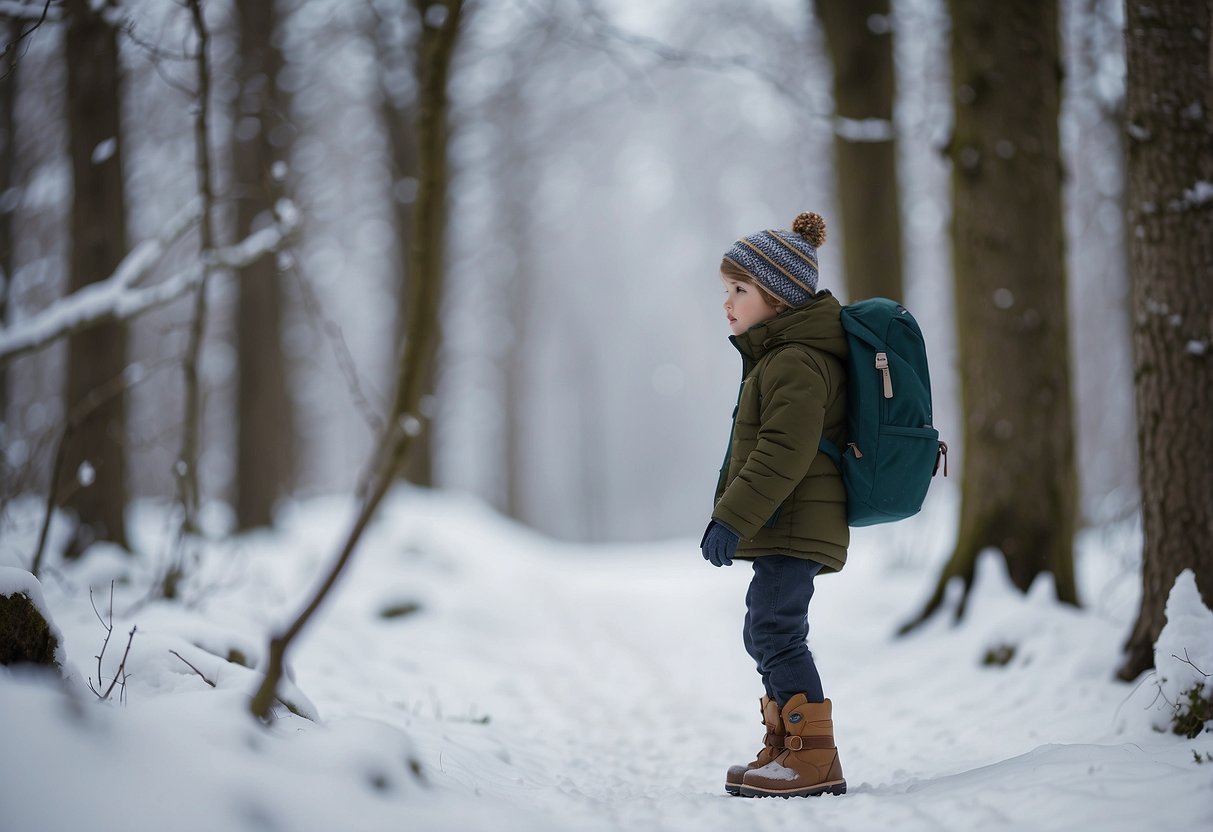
1183, 654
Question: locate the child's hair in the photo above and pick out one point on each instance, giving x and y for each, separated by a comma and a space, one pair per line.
730, 269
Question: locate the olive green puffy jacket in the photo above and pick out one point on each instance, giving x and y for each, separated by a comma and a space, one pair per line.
776, 489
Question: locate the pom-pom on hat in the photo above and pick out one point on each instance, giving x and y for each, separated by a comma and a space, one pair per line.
784, 262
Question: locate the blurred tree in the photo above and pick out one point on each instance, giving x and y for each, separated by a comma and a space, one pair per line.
860, 40
9, 31
396, 58
96, 458
515, 192
1170, 228
260, 146
1019, 488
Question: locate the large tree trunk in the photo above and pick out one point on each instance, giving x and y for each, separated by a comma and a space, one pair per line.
262, 137
860, 40
1019, 488
1170, 226
98, 242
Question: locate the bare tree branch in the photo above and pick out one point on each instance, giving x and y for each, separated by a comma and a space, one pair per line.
37, 11
20, 13
596, 31
118, 297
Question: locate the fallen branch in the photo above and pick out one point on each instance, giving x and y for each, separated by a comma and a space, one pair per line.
120, 298
191, 667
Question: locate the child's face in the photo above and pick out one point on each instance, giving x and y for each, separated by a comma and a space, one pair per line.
745, 305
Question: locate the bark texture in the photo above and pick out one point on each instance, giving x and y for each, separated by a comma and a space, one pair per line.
263, 134
1019, 488
859, 36
98, 242
1170, 226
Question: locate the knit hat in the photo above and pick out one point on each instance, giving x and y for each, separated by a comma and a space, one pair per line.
784, 262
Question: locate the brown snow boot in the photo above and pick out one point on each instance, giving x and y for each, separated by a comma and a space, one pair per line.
809, 763
772, 745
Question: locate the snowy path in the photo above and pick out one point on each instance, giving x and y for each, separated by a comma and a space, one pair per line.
551, 687
618, 692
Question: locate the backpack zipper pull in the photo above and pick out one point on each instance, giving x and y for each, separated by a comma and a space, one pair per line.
882, 364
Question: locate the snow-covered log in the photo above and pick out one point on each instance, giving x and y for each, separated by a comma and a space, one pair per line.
27, 633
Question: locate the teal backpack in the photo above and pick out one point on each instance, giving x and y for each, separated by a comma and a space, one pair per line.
892, 449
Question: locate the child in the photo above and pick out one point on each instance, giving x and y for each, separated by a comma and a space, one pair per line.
780, 503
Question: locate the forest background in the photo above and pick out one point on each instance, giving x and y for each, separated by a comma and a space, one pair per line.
543, 191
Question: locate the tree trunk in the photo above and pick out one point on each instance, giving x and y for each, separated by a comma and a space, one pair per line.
514, 191
8, 166
98, 243
860, 40
426, 266
1019, 488
262, 138
398, 110
1170, 225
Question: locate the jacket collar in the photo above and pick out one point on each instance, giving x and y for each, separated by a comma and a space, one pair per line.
815, 324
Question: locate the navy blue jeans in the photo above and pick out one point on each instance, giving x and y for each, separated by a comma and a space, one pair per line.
777, 626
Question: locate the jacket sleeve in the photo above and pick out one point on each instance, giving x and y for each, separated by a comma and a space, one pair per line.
793, 396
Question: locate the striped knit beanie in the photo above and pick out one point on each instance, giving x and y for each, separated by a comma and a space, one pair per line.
784, 262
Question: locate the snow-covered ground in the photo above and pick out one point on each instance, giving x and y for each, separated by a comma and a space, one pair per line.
544, 686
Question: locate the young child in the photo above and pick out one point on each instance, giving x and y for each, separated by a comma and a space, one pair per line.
779, 503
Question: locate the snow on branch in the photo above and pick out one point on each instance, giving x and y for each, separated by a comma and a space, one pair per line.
119, 298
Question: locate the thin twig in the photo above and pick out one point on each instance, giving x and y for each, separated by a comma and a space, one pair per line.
333, 334
13, 14
95, 399
187, 463
1188, 661
120, 673
191, 667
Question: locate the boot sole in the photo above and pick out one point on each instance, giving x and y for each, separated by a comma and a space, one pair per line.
835, 787
733, 789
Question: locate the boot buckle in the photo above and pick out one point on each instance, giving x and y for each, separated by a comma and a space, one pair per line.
797, 743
